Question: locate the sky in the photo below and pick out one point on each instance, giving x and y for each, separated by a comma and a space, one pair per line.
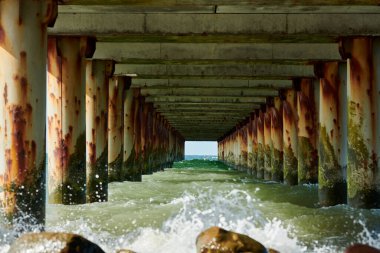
201, 148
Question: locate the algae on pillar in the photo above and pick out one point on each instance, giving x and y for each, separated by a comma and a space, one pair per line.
249, 146
332, 186
254, 146
362, 168
243, 148
260, 146
117, 85
267, 145
289, 121
23, 107
66, 118
307, 134
277, 141
98, 73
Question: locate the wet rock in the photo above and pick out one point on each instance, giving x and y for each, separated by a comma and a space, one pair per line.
54, 243
361, 248
125, 251
218, 240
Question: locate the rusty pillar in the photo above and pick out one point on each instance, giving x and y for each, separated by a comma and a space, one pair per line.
290, 119
23, 85
129, 171
149, 138
277, 141
117, 85
362, 168
307, 133
137, 163
156, 141
98, 73
143, 114
331, 180
66, 118
260, 145
244, 147
254, 145
249, 145
268, 141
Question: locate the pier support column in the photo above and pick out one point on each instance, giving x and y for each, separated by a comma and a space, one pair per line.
66, 146
254, 146
143, 116
98, 73
130, 173
249, 145
155, 140
290, 119
332, 185
363, 170
307, 133
277, 141
117, 85
260, 145
137, 162
23, 46
243, 148
149, 138
268, 141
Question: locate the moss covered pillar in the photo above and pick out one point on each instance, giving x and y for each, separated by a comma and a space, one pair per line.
307, 133
117, 85
243, 147
66, 118
332, 187
23, 46
289, 121
249, 145
260, 145
268, 141
254, 145
98, 73
363, 185
277, 141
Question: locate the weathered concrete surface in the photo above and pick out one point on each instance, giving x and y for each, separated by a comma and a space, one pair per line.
277, 141
362, 170
332, 142
23, 107
267, 143
260, 145
98, 73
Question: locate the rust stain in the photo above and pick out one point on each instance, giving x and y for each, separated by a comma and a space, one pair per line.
2, 35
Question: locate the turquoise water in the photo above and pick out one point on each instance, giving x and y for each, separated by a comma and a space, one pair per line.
166, 212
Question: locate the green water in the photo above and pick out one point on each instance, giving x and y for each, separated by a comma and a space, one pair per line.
166, 212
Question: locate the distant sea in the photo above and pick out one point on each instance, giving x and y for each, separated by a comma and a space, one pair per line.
201, 157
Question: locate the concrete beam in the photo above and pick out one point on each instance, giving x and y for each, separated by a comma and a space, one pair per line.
248, 71
109, 24
158, 105
204, 99
228, 107
209, 92
206, 53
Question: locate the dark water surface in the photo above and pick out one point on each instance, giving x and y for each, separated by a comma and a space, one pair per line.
166, 212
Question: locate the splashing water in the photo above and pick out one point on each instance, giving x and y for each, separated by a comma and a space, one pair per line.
167, 211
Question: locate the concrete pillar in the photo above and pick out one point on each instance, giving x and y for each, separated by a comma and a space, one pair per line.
254, 146
249, 130
307, 134
363, 170
143, 116
156, 140
117, 85
332, 143
260, 145
277, 141
129, 172
137, 162
66, 118
289, 121
98, 73
23, 107
149, 138
267, 143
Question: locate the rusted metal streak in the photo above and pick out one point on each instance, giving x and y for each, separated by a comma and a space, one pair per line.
98, 73
23, 84
307, 134
290, 119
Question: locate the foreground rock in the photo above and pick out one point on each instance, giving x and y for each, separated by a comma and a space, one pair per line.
53, 243
218, 240
361, 248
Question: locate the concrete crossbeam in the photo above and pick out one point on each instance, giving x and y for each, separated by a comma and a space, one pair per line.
249, 71
215, 83
210, 24
210, 107
204, 99
188, 53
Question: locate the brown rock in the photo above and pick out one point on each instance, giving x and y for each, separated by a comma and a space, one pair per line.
218, 240
125, 251
361, 248
54, 243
